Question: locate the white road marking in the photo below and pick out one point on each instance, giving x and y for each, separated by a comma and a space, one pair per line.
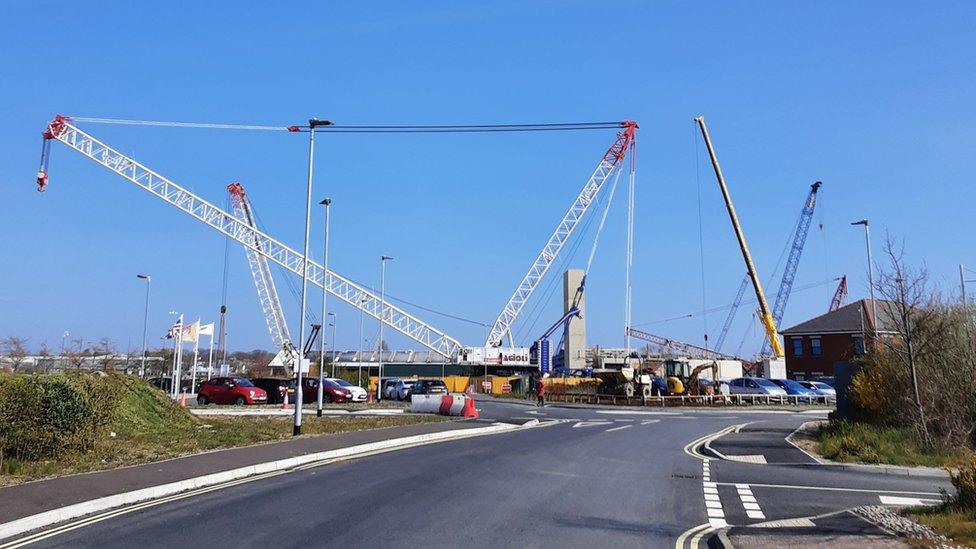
591, 423
902, 501
716, 513
619, 428
711, 490
649, 421
749, 502
828, 489
711, 497
713, 504
785, 523
757, 458
636, 413
717, 522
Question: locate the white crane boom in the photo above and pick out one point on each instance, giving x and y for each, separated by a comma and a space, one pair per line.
261, 271
610, 161
62, 130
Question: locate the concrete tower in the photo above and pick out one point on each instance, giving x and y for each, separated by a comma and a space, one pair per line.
575, 331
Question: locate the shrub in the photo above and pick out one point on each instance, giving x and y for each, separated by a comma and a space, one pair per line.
964, 482
44, 416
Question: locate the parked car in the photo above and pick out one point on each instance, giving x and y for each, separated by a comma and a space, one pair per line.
794, 388
755, 386
230, 390
401, 389
277, 389
819, 388
358, 394
428, 387
386, 387
331, 391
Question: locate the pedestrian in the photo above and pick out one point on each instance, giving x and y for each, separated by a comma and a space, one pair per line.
540, 392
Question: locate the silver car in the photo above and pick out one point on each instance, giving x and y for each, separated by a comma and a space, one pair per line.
401, 389
755, 386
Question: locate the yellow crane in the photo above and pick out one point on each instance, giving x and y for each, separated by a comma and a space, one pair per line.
766, 316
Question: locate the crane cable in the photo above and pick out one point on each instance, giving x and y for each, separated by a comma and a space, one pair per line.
362, 128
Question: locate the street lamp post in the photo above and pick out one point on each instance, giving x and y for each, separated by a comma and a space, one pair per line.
362, 307
874, 303
379, 370
145, 323
312, 124
335, 320
63, 337
325, 267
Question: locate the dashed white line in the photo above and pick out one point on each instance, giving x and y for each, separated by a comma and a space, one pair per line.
619, 428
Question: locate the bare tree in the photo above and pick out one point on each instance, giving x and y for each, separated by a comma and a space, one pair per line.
75, 355
921, 356
106, 351
15, 349
44, 356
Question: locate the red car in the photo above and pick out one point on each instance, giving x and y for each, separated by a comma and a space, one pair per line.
230, 390
331, 391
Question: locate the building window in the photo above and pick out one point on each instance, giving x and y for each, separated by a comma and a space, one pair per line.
797, 347
815, 348
858, 346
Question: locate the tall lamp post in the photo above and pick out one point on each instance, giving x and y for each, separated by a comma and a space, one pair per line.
312, 124
379, 373
874, 303
335, 320
64, 336
145, 323
325, 267
362, 307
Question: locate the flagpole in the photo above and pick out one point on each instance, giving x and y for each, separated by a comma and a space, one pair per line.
179, 362
196, 355
210, 359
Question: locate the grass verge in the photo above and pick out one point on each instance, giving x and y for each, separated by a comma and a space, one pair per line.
148, 426
949, 520
865, 443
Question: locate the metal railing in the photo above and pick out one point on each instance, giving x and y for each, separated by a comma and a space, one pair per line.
716, 401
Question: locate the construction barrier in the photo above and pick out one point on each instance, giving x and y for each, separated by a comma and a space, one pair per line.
446, 405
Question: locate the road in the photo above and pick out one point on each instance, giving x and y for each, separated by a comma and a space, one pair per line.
598, 477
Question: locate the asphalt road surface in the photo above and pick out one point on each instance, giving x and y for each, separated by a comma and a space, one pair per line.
594, 478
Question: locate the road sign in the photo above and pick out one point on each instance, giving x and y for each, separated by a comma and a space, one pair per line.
507, 388
486, 385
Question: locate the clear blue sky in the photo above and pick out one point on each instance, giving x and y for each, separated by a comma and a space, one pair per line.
873, 98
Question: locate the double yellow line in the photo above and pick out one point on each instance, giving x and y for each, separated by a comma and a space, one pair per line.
81, 523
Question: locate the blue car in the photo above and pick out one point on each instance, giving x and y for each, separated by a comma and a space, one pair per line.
794, 387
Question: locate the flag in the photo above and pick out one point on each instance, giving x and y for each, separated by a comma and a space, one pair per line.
207, 330
191, 332
174, 330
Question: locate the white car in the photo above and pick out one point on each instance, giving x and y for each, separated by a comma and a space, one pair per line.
401, 389
387, 387
755, 386
357, 392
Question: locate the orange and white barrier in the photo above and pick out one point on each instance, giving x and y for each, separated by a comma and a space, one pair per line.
447, 405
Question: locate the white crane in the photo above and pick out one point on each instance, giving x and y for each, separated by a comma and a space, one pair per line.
611, 160
63, 130
261, 272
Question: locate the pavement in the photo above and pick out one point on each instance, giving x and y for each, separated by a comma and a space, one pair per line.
594, 477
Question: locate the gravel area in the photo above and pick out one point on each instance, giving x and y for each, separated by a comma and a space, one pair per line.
903, 526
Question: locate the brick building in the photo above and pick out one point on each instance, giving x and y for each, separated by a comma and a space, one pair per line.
814, 347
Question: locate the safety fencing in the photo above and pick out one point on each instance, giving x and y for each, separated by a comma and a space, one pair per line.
716, 401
